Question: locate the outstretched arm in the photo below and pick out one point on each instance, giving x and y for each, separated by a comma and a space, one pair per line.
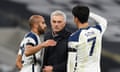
30, 50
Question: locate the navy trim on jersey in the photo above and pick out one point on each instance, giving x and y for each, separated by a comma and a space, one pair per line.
75, 36
22, 49
75, 68
97, 26
33, 68
33, 36
30, 44
72, 50
22, 61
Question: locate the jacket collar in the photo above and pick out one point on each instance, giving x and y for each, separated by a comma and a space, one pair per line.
61, 33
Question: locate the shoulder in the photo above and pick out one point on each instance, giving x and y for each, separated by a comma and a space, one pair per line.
97, 26
75, 36
31, 37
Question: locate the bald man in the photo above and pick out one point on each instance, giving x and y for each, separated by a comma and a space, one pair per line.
29, 53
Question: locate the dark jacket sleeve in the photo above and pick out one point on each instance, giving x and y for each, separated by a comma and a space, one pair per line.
60, 67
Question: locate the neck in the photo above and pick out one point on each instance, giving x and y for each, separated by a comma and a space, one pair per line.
55, 33
83, 25
35, 31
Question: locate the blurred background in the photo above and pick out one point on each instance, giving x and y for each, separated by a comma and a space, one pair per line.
14, 16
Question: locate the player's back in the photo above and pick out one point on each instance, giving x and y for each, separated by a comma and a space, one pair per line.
88, 49
86, 46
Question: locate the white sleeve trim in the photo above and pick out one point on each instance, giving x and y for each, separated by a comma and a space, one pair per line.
19, 52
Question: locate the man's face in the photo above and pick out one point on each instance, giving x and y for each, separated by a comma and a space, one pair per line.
57, 23
41, 26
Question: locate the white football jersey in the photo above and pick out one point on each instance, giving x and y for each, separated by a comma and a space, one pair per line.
30, 39
87, 43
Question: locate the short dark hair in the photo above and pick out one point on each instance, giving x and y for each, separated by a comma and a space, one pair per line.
81, 12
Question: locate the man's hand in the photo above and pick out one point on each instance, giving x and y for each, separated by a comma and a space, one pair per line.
48, 69
48, 43
18, 62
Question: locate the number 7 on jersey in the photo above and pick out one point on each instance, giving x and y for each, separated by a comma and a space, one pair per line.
93, 45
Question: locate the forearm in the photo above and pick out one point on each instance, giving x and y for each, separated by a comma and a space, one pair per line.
19, 66
19, 62
98, 19
32, 50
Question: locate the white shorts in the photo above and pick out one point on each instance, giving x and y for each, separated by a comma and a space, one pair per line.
31, 68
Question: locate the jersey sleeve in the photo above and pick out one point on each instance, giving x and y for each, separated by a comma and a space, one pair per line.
101, 21
21, 48
19, 52
71, 61
72, 50
30, 41
24, 42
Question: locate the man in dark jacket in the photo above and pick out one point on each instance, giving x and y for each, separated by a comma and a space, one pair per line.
55, 58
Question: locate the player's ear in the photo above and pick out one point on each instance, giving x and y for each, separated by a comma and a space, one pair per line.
75, 19
35, 25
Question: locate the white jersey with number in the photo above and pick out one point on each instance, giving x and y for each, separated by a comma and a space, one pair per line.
29, 64
87, 42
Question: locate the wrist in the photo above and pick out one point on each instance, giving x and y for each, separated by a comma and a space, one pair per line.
41, 46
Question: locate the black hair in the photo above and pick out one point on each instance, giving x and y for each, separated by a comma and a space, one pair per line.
81, 12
